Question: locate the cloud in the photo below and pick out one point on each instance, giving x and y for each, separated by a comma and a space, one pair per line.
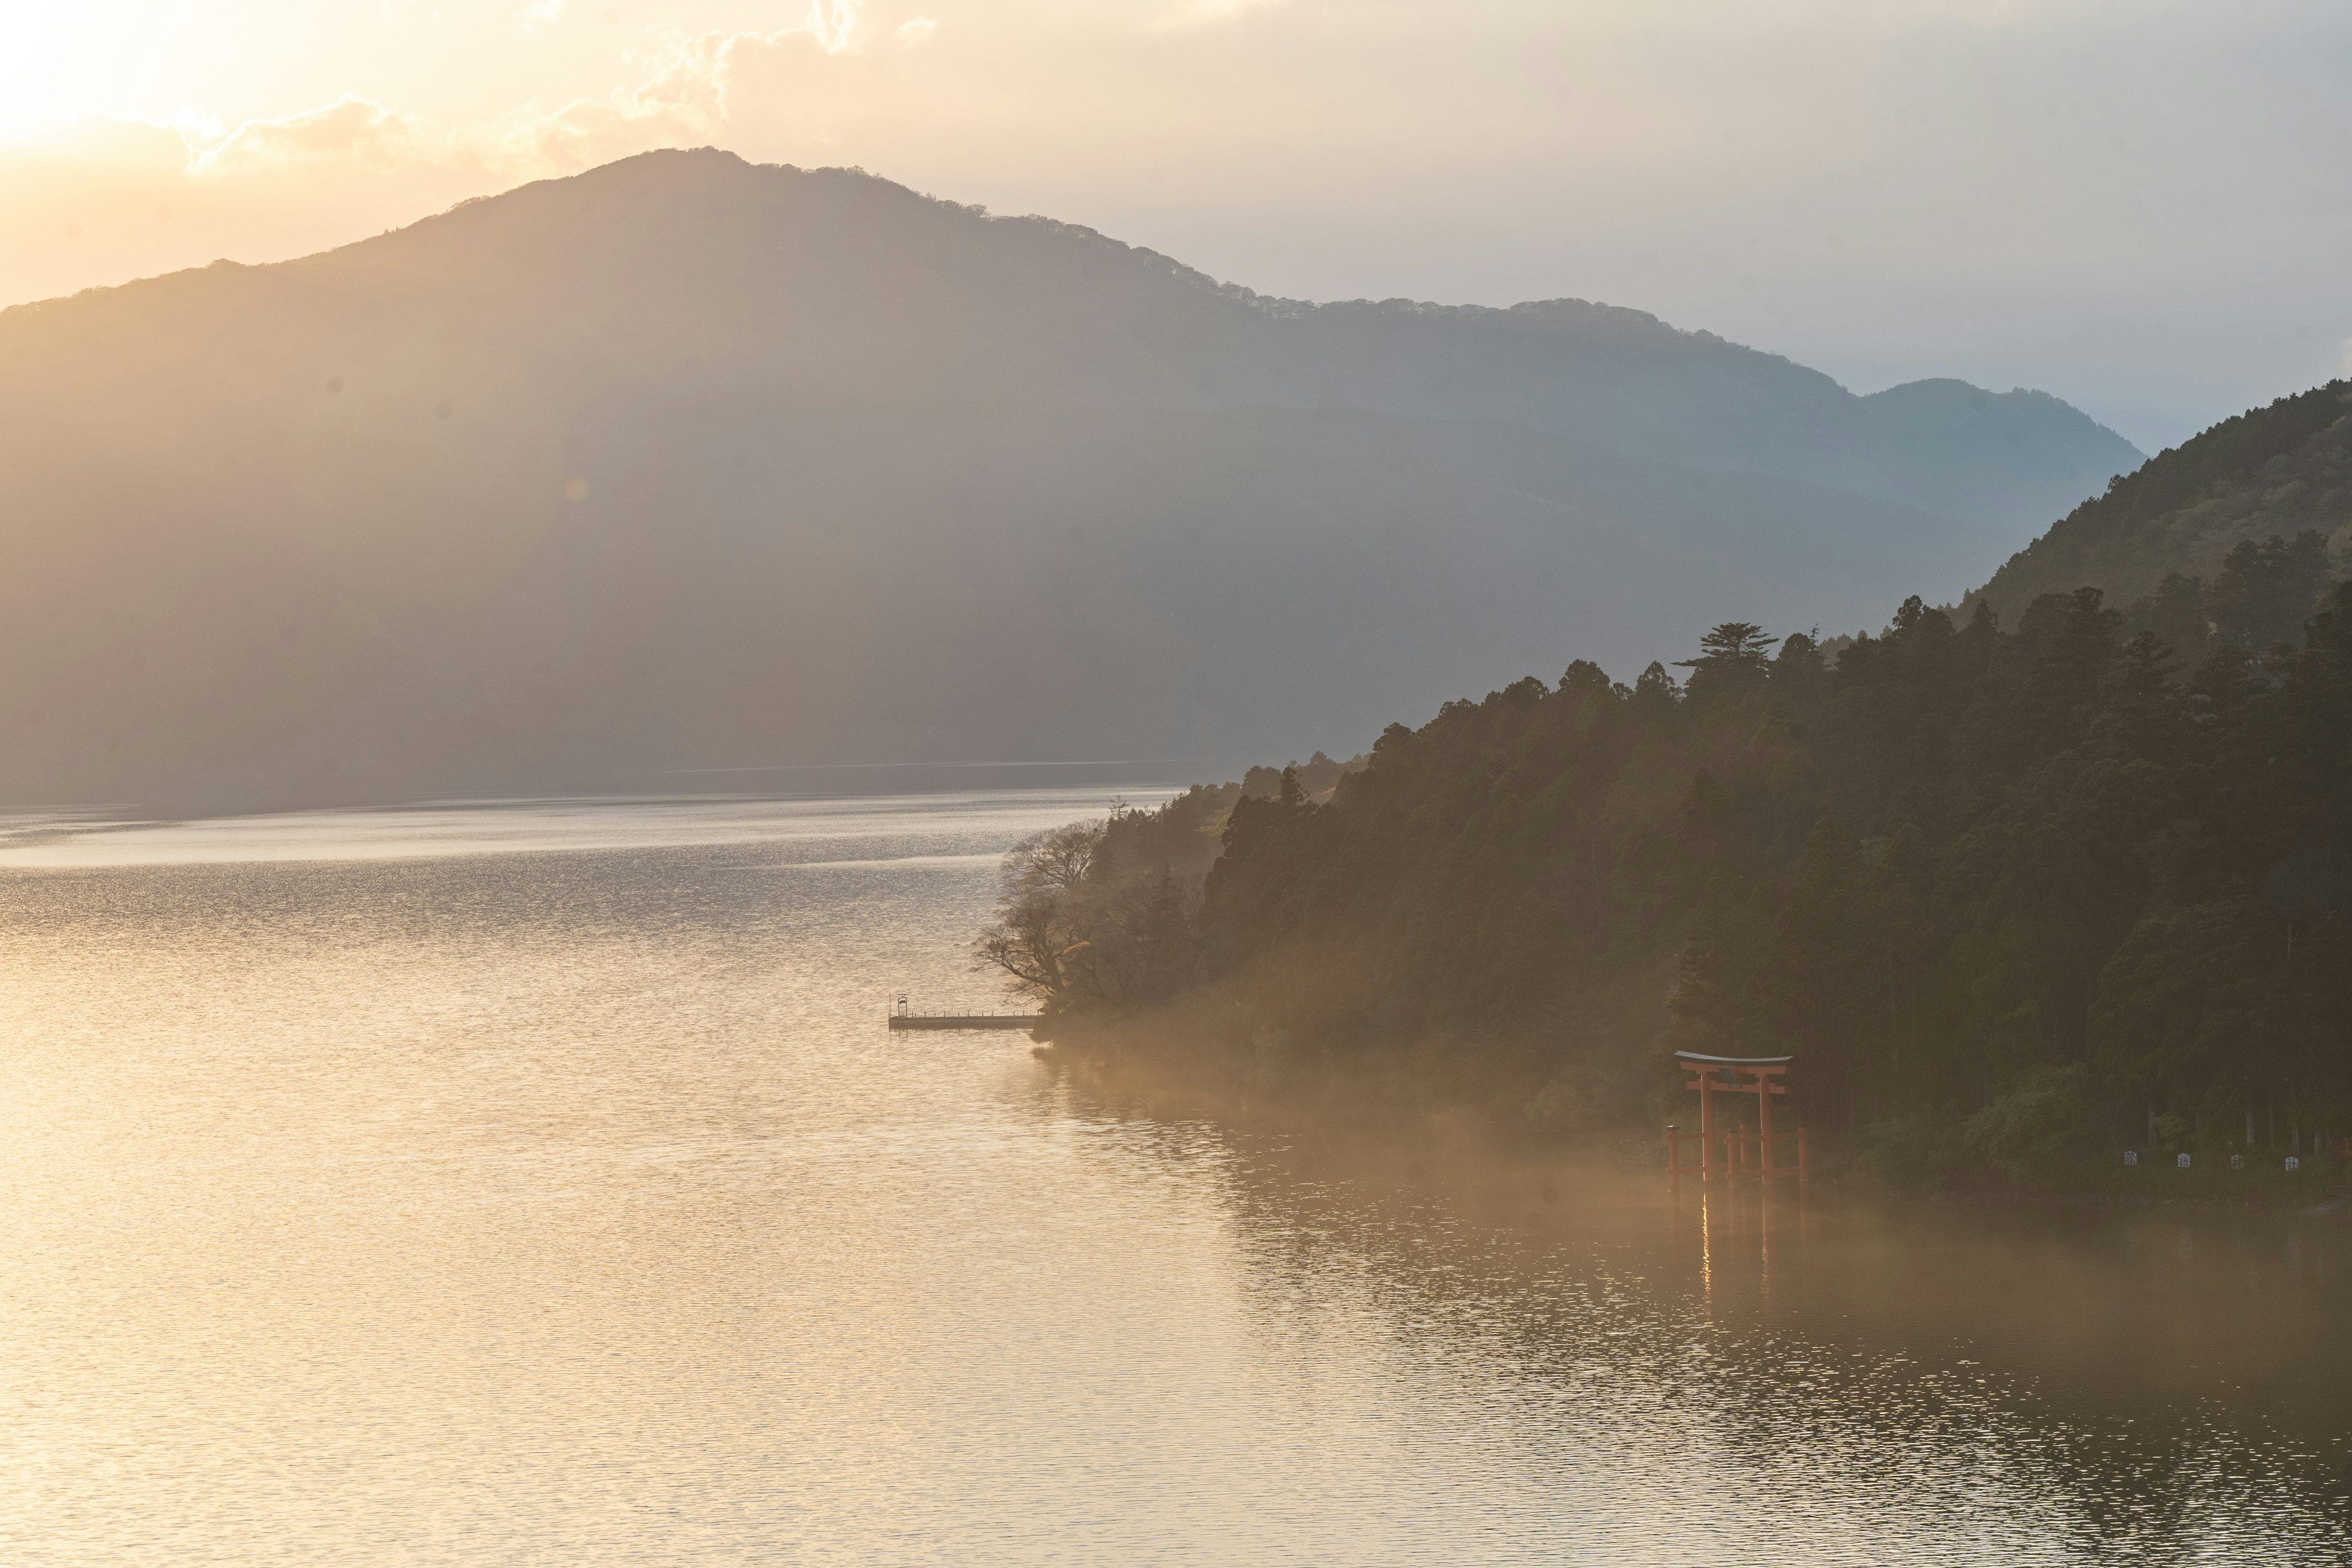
833, 24
99, 201
349, 131
102, 199
686, 96
682, 99
542, 14
915, 30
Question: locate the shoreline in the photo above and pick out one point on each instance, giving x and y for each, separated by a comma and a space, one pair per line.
1317, 1099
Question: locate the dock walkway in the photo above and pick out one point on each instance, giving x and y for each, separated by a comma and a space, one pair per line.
964, 1021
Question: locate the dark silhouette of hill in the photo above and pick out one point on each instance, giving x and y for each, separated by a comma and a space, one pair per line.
684, 463
2284, 470
2016, 901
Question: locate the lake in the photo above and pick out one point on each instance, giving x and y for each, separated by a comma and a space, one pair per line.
536, 1182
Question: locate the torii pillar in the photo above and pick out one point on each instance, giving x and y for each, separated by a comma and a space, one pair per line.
1705, 1082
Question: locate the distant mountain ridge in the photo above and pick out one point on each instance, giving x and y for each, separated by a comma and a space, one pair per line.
684, 463
1068, 314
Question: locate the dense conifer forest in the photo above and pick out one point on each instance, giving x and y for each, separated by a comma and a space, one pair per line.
2283, 469
2016, 896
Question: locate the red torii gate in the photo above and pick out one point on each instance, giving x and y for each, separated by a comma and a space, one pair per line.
1765, 1073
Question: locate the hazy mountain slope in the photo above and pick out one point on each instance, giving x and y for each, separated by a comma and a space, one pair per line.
840, 286
1115, 583
1627, 380
684, 463
2281, 469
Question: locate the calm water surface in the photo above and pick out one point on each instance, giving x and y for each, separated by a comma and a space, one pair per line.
537, 1184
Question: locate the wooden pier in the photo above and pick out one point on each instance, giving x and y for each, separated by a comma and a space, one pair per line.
903, 1016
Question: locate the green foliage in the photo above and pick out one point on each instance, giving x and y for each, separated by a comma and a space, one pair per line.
1088, 918
1910, 1154
2187, 513
2267, 590
1731, 658
2043, 885
2042, 1127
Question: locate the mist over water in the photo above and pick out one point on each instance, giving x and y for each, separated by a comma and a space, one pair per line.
536, 1182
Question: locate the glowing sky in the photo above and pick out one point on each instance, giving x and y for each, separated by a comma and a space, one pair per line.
2144, 207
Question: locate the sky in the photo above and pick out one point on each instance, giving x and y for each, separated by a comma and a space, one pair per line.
2144, 207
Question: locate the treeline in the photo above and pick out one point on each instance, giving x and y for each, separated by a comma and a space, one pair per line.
2014, 897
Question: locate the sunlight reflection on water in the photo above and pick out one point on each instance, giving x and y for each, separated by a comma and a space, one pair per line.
535, 1183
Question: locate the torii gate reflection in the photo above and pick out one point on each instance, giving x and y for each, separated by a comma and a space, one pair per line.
1714, 1075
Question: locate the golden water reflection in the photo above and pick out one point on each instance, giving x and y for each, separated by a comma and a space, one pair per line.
550, 1191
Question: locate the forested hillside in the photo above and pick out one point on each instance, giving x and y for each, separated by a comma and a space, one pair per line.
2013, 895
2160, 535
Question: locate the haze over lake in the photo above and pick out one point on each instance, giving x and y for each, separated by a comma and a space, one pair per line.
536, 1182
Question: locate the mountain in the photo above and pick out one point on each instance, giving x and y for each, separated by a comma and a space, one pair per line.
2192, 511
687, 464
